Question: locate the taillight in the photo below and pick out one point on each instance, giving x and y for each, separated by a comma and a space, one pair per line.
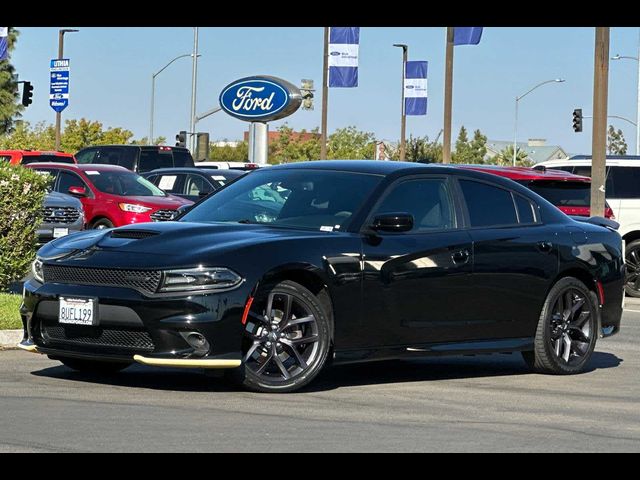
608, 213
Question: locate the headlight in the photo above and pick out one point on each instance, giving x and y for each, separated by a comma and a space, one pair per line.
133, 208
36, 269
201, 278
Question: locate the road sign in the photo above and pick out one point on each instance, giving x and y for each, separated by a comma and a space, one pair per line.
59, 85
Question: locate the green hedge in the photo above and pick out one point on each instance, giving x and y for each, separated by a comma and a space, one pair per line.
22, 193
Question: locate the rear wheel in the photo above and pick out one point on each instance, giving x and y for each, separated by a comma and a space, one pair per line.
286, 339
632, 260
93, 366
567, 330
102, 224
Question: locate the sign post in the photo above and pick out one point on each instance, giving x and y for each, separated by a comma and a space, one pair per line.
258, 100
59, 85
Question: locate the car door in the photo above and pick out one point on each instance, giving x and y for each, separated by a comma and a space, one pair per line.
416, 283
172, 183
514, 260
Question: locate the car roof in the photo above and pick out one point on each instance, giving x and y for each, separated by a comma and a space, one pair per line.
377, 167
137, 146
202, 171
176, 170
82, 167
28, 153
526, 173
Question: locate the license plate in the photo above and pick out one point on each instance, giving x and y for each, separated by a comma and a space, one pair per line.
78, 311
60, 232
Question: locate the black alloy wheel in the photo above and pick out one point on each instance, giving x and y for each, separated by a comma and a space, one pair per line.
632, 261
286, 339
567, 329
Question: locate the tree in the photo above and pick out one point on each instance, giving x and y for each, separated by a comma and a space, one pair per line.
291, 146
505, 158
616, 144
229, 153
478, 147
157, 141
10, 106
418, 149
350, 143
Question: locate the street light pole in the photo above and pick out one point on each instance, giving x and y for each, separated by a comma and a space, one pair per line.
153, 94
194, 79
60, 56
515, 129
403, 115
619, 57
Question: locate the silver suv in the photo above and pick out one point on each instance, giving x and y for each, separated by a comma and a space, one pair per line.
62, 215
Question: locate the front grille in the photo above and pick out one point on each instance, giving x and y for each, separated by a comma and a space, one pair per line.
163, 215
60, 215
133, 234
145, 281
97, 336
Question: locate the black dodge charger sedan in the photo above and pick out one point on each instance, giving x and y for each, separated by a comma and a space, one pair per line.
290, 268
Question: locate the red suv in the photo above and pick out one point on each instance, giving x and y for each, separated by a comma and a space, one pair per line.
570, 193
112, 196
24, 157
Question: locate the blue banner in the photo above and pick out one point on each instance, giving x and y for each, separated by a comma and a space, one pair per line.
4, 43
415, 88
343, 56
467, 35
59, 84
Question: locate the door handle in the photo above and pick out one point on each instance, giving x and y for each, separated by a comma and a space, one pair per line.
545, 246
460, 257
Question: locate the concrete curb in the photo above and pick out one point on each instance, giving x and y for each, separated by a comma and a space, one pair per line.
10, 338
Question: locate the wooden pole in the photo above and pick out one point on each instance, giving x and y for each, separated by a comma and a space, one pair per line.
448, 90
599, 136
325, 95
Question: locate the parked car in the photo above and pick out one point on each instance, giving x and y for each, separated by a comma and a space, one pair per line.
358, 261
191, 183
244, 166
111, 195
61, 215
623, 194
24, 157
137, 158
570, 193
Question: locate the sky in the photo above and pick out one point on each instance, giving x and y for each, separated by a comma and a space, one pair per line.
111, 72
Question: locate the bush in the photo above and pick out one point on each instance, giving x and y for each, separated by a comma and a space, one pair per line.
22, 193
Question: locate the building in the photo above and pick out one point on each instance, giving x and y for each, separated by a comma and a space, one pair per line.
536, 148
297, 136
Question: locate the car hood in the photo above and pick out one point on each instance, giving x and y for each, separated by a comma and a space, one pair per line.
56, 199
174, 239
170, 202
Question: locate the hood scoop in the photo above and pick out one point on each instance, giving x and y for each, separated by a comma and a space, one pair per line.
133, 234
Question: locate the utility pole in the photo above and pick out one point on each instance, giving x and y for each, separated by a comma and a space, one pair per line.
599, 136
325, 95
194, 79
60, 57
448, 90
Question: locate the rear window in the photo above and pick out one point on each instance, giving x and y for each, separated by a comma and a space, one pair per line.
182, 158
45, 158
153, 159
561, 194
124, 157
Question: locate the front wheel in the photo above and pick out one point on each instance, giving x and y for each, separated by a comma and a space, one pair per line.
632, 261
102, 224
567, 330
93, 366
287, 339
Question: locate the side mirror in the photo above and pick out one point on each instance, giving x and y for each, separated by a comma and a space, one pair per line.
182, 210
203, 194
78, 191
392, 222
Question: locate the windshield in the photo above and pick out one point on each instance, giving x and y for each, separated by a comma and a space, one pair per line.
123, 184
562, 194
309, 199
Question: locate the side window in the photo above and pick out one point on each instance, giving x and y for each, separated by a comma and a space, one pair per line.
53, 174
151, 159
116, 156
153, 179
196, 186
623, 182
488, 206
87, 156
426, 199
565, 169
66, 180
526, 210
170, 183
4, 158
584, 171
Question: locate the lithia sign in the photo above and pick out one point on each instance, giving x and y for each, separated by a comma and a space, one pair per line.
260, 98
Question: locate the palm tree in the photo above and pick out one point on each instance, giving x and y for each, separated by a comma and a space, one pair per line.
505, 158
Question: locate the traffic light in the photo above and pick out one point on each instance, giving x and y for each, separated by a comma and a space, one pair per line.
577, 120
307, 94
181, 139
27, 94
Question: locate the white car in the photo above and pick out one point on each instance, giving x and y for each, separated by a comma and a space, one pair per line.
228, 165
623, 195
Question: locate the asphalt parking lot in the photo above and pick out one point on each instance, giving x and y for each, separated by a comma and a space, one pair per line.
487, 403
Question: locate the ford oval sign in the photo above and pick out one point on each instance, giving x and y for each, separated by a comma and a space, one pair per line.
260, 98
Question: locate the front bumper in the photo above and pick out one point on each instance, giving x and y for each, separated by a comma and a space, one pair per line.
45, 232
133, 327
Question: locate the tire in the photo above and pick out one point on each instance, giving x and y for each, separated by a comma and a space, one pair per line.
632, 261
102, 224
93, 366
276, 358
574, 330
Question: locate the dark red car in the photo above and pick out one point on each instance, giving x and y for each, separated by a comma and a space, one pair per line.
570, 193
112, 196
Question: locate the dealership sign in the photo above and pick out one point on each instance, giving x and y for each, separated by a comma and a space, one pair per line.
260, 99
